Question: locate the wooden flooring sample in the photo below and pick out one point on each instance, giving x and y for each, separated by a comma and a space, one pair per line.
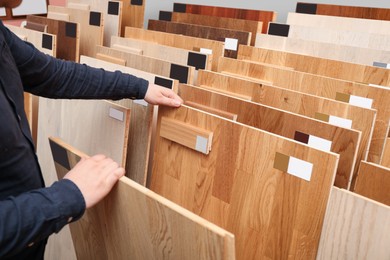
254, 27
325, 87
373, 181
314, 133
386, 154
216, 48
246, 14
248, 185
355, 228
68, 36
132, 222
231, 38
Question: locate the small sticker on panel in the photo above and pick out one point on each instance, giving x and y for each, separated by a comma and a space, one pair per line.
196, 60
179, 72
206, 51
201, 144
231, 44
47, 41
94, 18
381, 65
300, 168
167, 83
338, 121
165, 16
306, 8
319, 143
71, 30
278, 29
180, 8
116, 114
113, 8
361, 101
136, 2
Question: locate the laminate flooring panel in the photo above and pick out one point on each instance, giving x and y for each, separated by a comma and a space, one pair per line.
172, 54
246, 14
364, 56
326, 67
133, 222
91, 27
355, 227
67, 34
182, 73
231, 38
343, 11
315, 133
339, 23
238, 186
255, 27
321, 86
215, 48
386, 154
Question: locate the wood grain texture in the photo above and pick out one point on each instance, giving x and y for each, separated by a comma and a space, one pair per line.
373, 181
179, 41
355, 228
246, 14
345, 142
237, 188
163, 52
151, 65
386, 154
321, 86
339, 23
364, 56
255, 27
67, 44
320, 66
91, 33
134, 223
206, 32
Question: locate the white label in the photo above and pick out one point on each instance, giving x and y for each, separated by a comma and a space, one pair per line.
31, 7
360, 101
141, 102
116, 114
2, 12
319, 143
338, 121
231, 44
299, 168
201, 144
206, 51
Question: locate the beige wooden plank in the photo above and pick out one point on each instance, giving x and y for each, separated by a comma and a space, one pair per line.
320, 66
373, 181
182, 73
239, 186
58, 16
386, 154
325, 87
111, 59
354, 228
317, 134
134, 223
163, 52
180, 41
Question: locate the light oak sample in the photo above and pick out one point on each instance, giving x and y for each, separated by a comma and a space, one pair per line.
133, 222
354, 228
321, 86
373, 181
216, 48
237, 186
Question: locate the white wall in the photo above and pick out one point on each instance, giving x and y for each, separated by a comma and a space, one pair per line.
282, 7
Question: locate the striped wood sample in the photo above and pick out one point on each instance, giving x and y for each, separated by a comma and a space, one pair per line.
255, 27
344, 11
321, 86
320, 66
163, 52
67, 34
373, 181
354, 228
91, 27
364, 56
133, 222
237, 187
182, 73
386, 154
246, 14
206, 32
339, 23
342, 141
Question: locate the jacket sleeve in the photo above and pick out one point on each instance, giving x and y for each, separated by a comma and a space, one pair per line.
33, 216
46, 76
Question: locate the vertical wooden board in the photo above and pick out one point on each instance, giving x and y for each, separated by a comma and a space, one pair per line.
231, 38
68, 36
321, 86
237, 187
373, 181
354, 228
216, 48
134, 223
316, 134
386, 154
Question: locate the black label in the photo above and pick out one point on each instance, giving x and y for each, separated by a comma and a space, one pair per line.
278, 29
47, 41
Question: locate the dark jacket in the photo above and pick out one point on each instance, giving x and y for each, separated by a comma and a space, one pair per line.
30, 213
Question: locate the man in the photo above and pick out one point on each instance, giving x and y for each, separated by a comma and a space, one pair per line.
30, 213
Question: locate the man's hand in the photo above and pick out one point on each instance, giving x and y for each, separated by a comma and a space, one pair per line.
95, 177
157, 95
